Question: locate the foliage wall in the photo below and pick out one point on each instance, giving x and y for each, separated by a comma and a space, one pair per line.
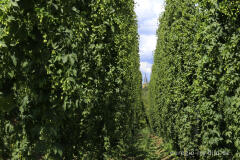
195, 82
69, 78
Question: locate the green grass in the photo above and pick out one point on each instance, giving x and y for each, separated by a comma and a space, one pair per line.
146, 146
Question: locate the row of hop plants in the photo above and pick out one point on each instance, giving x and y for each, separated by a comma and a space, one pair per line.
195, 81
69, 79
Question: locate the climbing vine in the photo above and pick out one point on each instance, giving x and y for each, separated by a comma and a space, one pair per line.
69, 79
194, 86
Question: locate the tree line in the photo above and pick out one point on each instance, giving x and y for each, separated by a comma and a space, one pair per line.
195, 81
70, 85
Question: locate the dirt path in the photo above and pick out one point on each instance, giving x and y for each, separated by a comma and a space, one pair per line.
150, 147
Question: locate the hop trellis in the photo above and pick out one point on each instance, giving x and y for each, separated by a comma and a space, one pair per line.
73, 77
194, 85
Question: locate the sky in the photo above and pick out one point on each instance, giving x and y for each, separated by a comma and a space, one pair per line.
148, 12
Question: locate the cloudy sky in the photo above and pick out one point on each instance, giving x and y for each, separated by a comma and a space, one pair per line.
147, 12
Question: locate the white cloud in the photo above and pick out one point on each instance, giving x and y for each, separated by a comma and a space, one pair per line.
148, 26
148, 8
147, 46
148, 12
145, 67
158, 7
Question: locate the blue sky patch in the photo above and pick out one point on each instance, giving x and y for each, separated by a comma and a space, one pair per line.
148, 12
